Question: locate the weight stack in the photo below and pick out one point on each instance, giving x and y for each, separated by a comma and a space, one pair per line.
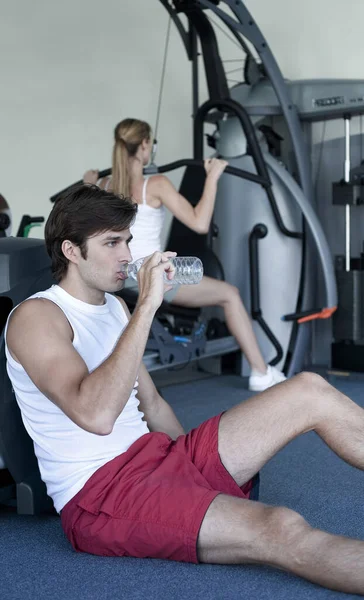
347, 350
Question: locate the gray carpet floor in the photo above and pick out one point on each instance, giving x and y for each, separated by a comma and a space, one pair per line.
37, 562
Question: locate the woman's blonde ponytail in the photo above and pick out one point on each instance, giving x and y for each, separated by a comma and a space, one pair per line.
128, 135
120, 169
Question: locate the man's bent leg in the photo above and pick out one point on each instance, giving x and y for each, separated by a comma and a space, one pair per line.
236, 531
251, 433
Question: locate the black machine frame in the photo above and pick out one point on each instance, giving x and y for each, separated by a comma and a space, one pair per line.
244, 27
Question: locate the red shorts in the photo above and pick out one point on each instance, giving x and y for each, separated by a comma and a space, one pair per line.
150, 501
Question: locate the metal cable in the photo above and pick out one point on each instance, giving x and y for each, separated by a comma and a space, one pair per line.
163, 75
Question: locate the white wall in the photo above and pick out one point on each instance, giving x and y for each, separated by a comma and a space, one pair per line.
71, 70
313, 38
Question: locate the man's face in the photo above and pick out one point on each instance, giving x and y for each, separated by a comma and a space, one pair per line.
106, 252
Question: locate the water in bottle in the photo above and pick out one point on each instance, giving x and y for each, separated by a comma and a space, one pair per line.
188, 270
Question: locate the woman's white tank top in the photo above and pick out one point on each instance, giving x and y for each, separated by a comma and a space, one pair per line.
147, 228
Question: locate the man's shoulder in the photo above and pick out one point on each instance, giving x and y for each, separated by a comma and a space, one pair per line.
123, 304
32, 324
35, 310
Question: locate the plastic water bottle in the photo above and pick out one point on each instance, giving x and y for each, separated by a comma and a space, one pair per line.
188, 270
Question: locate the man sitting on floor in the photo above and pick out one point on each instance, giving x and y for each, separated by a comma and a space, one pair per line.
115, 459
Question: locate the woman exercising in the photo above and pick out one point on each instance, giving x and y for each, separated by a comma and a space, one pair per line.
132, 151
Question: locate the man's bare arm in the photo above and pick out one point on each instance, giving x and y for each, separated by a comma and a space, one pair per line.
158, 414
40, 338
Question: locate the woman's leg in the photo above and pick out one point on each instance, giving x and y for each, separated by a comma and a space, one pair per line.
212, 292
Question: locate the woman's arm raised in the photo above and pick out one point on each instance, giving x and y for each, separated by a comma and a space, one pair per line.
197, 218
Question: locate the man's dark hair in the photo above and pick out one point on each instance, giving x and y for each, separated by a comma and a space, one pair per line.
82, 212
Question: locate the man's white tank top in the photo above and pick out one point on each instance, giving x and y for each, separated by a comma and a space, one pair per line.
147, 228
67, 454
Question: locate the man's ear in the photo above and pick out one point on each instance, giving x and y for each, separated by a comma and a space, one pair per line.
71, 251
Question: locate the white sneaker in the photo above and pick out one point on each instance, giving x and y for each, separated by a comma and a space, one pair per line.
258, 382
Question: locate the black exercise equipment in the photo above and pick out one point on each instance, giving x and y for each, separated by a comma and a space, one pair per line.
26, 223
24, 270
